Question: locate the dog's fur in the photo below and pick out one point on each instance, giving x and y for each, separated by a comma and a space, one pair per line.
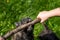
25, 34
47, 34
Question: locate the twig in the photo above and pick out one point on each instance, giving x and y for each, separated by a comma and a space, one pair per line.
20, 28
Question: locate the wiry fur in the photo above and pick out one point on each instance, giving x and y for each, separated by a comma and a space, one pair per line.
25, 34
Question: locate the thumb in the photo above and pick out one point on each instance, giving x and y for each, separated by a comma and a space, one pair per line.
41, 21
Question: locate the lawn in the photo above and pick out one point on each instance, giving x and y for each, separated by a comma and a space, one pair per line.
12, 11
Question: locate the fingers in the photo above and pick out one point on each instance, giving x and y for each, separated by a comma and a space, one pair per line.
43, 16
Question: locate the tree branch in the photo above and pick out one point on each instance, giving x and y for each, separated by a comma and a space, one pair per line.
20, 28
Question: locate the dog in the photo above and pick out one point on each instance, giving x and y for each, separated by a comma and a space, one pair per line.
25, 34
47, 34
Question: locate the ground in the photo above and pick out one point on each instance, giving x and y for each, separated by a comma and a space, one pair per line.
12, 11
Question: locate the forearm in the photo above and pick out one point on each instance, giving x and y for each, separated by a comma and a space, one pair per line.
54, 12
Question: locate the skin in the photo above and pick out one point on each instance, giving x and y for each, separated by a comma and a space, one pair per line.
44, 15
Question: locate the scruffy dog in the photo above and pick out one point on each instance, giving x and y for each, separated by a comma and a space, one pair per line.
47, 34
25, 34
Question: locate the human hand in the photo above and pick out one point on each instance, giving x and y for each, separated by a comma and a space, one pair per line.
44, 15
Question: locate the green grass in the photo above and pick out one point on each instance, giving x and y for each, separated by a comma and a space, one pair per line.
12, 11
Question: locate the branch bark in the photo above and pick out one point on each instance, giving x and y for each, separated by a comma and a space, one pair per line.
20, 28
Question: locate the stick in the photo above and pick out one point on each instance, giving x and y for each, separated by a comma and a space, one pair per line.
20, 28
